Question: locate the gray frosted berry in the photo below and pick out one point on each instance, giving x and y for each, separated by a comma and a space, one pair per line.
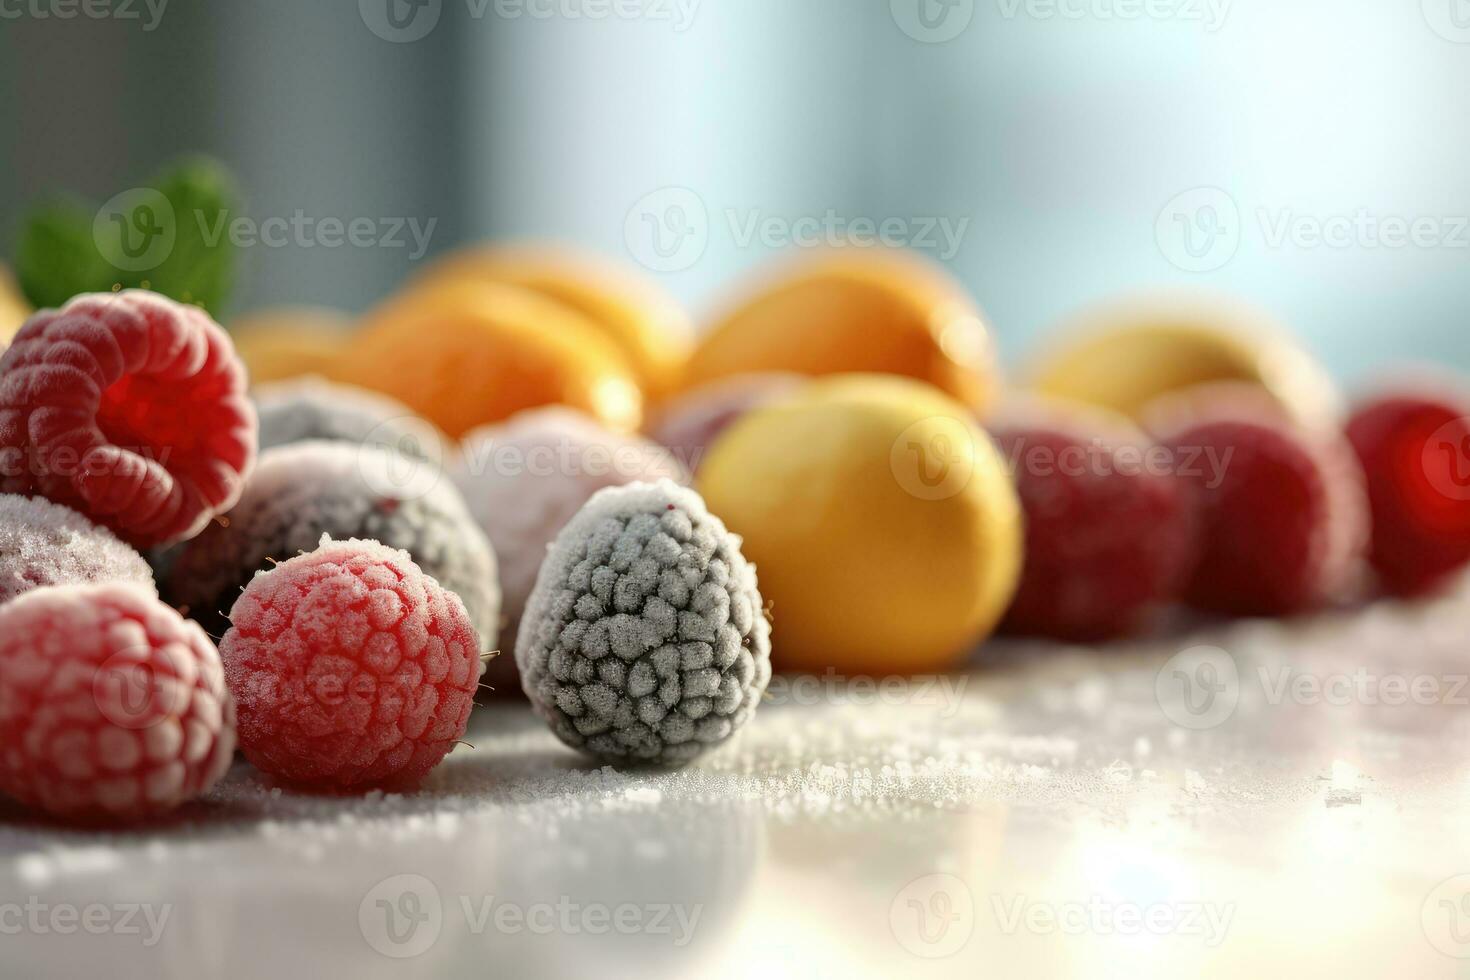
304, 490
645, 638
309, 408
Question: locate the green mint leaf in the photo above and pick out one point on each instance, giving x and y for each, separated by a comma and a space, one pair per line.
165, 236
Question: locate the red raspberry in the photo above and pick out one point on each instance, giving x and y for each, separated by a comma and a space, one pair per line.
130, 408
1282, 513
1108, 529
351, 667
1414, 445
112, 706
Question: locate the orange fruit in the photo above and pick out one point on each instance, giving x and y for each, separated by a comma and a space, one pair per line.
855, 310
285, 342
647, 326
467, 354
14, 310
1123, 354
884, 527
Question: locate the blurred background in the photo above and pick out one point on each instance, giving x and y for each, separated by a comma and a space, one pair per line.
1307, 155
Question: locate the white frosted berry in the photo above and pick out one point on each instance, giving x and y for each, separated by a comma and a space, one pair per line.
645, 638
42, 543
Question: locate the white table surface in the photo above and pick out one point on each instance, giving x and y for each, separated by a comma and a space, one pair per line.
1047, 814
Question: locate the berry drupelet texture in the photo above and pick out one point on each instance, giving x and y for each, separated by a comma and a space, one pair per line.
351, 667
130, 408
645, 639
112, 706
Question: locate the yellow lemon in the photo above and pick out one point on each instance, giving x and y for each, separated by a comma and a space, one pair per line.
290, 341
885, 529
1124, 354
467, 354
14, 310
855, 310
647, 326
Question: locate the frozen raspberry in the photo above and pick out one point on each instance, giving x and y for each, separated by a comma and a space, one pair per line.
111, 705
42, 543
1281, 511
524, 479
1414, 444
645, 639
690, 423
304, 490
351, 667
130, 408
305, 409
1109, 531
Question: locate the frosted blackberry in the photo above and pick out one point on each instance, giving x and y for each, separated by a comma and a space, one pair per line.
42, 543
302, 491
645, 638
309, 408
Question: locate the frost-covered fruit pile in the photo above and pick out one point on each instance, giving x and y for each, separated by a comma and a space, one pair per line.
112, 707
312, 408
1414, 443
351, 667
524, 479
130, 408
1282, 515
1109, 531
645, 639
304, 490
42, 544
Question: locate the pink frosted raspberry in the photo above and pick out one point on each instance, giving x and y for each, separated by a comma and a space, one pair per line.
112, 706
351, 667
130, 408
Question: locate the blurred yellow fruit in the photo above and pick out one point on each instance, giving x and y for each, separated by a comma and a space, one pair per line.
285, 342
14, 310
467, 354
856, 309
648, 327
1124, 354
882, 522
